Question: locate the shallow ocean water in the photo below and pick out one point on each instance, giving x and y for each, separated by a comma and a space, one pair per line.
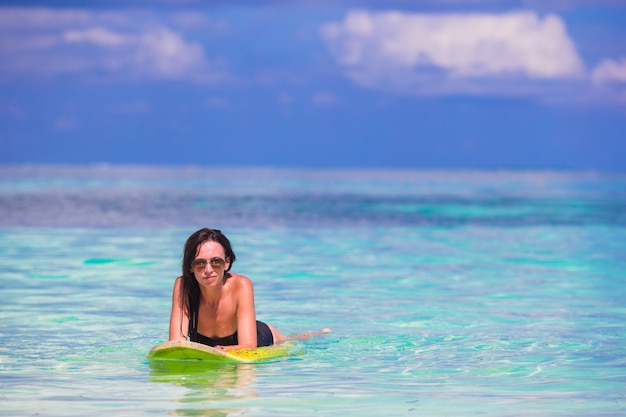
449, 293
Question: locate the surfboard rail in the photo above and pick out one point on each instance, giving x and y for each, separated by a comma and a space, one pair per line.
187, 350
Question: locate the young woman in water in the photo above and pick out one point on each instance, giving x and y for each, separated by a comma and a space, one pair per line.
213, 306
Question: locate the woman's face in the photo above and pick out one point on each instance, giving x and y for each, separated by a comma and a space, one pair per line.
210, 264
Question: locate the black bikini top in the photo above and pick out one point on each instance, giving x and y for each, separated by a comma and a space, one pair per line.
194, 336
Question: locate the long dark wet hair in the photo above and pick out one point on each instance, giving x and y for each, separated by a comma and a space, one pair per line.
190, 289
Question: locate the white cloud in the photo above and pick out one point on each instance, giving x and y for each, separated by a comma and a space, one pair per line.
166, 54
609, 71
199, 21
191, 20
106, 45
96, 35
65, 123
325, 99
285, 99
39, 17
13, 111
216, 102
452, 53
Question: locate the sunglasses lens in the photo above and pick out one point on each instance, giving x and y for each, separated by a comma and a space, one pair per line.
217, 262
200, 264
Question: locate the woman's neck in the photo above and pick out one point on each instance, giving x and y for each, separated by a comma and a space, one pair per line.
211, 295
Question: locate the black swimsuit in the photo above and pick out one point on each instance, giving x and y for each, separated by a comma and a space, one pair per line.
264, 337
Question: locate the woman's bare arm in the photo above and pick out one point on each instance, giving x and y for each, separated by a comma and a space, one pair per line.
179, 321
246, 315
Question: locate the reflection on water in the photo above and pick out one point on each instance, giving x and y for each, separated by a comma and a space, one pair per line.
208, 385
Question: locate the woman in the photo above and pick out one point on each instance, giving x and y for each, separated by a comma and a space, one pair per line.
213, 306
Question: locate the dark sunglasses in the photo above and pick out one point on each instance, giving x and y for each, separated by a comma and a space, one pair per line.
200, 264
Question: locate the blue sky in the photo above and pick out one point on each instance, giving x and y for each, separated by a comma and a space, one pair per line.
385, 84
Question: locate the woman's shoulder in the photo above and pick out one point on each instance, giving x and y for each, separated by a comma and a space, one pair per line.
241, 289
177, 284
239, 279
239, 283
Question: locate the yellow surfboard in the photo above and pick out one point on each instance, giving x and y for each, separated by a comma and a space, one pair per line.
192, 351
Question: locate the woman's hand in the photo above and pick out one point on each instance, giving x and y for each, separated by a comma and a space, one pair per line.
222, 348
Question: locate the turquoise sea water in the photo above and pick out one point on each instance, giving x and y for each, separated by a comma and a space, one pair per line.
449, 293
